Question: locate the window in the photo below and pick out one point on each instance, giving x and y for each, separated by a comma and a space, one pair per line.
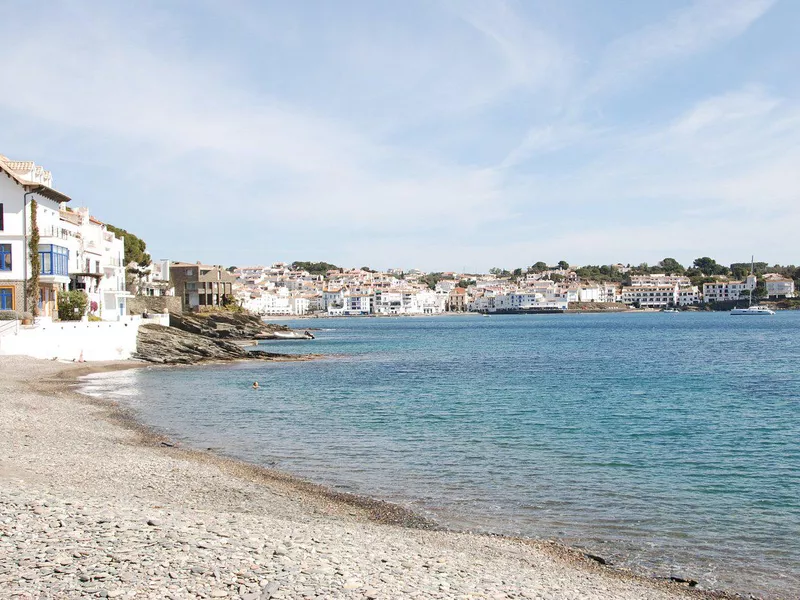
5, 257
6, 298
54, 260
1, 216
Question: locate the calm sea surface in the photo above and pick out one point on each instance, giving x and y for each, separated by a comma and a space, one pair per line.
669, 443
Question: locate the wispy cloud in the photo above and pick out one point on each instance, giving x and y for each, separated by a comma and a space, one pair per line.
687, 32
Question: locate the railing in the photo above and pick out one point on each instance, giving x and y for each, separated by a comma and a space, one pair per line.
9, 327
55, 232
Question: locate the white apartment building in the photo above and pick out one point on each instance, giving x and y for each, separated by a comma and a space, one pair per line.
688, 295
610, 292
651, 296
516, 302
353, 305
332, 298
660, 279
269, 303
721, 291
96, 264
22, 182
429, 302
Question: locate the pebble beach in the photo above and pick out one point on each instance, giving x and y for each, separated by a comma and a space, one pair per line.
93, 505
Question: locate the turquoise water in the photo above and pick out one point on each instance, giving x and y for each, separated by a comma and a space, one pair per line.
669, 443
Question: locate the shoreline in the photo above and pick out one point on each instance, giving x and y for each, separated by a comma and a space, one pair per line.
347, 510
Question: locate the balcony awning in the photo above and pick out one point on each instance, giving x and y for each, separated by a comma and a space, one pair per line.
48, 192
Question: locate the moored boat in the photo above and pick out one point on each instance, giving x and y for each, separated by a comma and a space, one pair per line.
753, 310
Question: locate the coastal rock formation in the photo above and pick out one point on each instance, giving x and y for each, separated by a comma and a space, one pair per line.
225, 325
168, 345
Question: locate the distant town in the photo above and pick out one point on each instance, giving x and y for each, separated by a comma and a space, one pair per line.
62, 263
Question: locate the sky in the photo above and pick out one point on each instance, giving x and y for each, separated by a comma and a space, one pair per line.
431, 134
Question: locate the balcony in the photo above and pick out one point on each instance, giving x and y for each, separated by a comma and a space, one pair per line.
54, 263
58, 233
112, 263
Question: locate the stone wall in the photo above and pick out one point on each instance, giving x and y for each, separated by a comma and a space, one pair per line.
155, 304
19, 293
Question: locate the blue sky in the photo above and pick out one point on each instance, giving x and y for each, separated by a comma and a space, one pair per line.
438, 134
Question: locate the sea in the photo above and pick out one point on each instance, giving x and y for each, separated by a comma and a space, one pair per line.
666, 443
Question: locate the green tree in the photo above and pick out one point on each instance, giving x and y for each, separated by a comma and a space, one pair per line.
135, 247
495, 271
431, 279
315, 268
741, 270
671, 266
563, 265
32, 291
538, 267
708, 266
72, 305
465, 283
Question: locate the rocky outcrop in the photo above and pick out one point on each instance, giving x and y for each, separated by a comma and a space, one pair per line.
168, 345
226, 325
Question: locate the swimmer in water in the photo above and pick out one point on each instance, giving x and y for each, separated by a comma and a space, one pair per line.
255, 385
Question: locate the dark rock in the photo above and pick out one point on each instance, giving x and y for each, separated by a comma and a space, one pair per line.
225, 325
689, 582
596, 558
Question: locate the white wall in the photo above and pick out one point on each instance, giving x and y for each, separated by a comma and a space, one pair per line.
67, 340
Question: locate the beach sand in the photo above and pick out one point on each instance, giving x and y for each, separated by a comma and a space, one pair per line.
93, 505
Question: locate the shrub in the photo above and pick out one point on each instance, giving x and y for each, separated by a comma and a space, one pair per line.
10, 315
72, 305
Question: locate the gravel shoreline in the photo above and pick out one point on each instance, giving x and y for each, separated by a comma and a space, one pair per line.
92, 504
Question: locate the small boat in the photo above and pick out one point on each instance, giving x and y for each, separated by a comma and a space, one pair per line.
670, 310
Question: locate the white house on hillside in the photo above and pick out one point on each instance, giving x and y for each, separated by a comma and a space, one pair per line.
778, 286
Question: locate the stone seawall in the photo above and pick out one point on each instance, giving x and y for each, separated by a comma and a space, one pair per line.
155, 304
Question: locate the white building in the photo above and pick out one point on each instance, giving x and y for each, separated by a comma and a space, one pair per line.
429, 302
22, 182
650, 296
660, 279
513, 302
96, 264
156, 281
779, 287
688, 295
721, 291
353, 305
